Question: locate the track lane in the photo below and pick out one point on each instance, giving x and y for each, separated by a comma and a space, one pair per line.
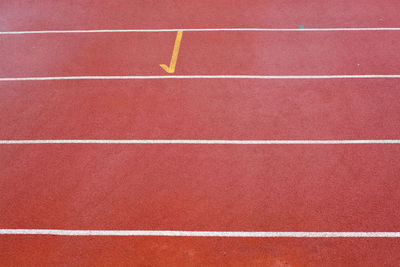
115, 251
48, 14
201, 109
200, 188
201, 53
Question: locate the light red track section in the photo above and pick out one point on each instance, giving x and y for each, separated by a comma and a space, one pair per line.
200, 187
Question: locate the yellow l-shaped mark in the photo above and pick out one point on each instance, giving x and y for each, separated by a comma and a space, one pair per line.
172, 64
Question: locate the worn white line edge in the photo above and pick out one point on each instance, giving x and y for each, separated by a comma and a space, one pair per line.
196, 30
191, 233
202, 142
200, 77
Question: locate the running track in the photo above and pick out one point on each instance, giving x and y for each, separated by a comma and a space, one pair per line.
165, 169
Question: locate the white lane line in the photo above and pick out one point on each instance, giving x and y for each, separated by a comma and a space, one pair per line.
201, 77
202, 142
199, 30
192, 233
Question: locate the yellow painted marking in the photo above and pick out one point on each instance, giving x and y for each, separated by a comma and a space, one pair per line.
172, 64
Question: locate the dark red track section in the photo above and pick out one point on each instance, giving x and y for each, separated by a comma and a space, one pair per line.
200, 187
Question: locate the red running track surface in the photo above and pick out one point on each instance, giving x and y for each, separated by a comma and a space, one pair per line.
310, 188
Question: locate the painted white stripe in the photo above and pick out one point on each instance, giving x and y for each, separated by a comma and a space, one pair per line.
201, 77
199, 30
202, 142
192, 233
